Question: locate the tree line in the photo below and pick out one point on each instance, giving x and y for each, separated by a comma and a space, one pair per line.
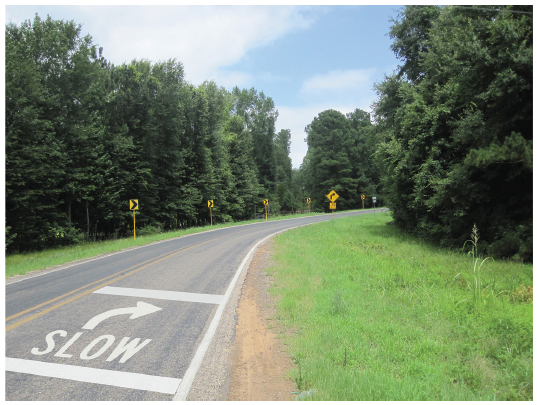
448, 144
83, 137
451, 144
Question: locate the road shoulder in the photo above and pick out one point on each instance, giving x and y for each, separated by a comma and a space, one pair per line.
246, 360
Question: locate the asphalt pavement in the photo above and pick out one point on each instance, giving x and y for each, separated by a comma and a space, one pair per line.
132, 325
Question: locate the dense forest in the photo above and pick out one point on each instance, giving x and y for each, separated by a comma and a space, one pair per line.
455, 126
451, 143
448, 143
84, 136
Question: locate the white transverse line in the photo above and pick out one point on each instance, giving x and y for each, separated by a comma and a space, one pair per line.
188, 378
161, 295
165, 385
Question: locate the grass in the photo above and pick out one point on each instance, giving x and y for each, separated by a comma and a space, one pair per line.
379, 315
19, 264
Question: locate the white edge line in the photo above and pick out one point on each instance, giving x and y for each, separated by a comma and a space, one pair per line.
190, 374
123, 379
84, 261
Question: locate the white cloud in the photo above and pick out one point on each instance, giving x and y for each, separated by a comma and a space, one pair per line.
339, 80
204, 38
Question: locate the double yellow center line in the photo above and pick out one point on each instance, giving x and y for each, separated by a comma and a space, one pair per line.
110, 279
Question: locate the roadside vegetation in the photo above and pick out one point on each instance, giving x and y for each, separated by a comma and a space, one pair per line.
373, 314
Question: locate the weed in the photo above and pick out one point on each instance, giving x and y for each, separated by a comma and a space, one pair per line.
338, 305
523, 294
476, 287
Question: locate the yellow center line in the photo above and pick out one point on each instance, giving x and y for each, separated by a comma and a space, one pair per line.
153, 261
78, 289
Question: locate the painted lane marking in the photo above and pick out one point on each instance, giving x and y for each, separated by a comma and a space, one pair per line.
81, 288
141, 309
12, 326
125, 348
122, 379
150, 261
161, 294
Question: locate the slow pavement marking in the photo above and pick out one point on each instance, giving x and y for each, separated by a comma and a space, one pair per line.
161, 294
123, 379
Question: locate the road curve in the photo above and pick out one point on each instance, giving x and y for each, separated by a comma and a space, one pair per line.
133, 325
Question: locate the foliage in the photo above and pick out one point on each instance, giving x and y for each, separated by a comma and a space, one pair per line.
84, 136
456, 137
339, 158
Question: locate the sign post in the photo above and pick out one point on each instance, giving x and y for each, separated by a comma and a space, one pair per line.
309, 201
210, 204
332, 196
363, 198
265, 202
134, 206
374, 201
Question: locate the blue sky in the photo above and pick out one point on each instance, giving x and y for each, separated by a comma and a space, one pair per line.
306, 58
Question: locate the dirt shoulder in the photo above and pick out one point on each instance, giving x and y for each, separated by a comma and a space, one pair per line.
259, 363
246, 361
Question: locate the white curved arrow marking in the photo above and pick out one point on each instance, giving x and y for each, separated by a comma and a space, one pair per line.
141, 309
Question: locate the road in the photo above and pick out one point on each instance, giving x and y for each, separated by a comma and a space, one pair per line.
132, 325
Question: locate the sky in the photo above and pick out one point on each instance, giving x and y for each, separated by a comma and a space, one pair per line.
307, 58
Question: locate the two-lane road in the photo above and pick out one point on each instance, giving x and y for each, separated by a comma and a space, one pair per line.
132, 325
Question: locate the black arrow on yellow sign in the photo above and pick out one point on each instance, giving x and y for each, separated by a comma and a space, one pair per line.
133, 204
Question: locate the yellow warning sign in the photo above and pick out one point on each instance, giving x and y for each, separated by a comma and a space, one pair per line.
333, 196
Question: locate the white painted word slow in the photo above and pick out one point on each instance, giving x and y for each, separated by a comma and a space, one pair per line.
124, 347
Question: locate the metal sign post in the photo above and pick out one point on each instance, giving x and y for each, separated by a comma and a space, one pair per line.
309, 201
266, 204
332, 196
134, 206
374, 202
332, 207
210, 204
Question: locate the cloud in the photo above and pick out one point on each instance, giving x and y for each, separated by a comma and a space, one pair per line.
339, 81
204, 38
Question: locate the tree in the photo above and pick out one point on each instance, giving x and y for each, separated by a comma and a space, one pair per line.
329, 153
282, 161
457, 144
410, 32
83, 137
259, 115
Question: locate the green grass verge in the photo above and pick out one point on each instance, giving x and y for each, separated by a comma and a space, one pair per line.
379, 315
19, 264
